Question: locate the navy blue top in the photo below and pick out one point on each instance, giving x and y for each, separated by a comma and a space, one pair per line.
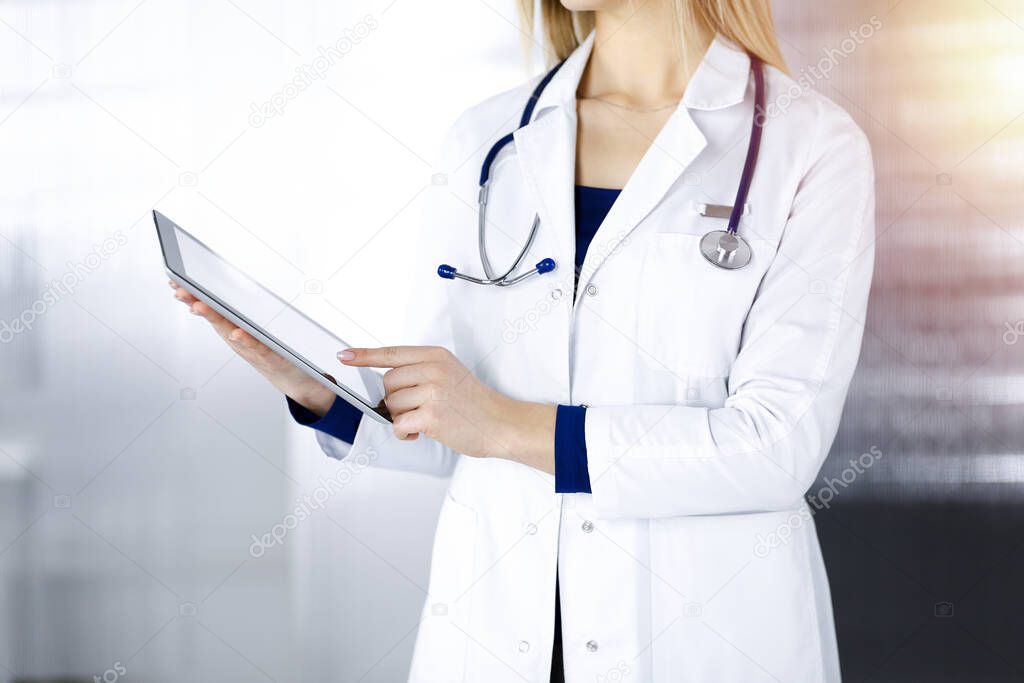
571, 473
592, 205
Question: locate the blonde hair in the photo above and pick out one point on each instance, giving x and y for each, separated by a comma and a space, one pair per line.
747, 23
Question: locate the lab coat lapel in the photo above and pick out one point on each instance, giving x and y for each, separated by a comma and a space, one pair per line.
673, 150
720, 81
547, 157
547, 152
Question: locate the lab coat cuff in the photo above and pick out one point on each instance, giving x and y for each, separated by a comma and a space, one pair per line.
341, 421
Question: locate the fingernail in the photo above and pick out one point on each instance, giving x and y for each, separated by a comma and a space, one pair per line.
346, 355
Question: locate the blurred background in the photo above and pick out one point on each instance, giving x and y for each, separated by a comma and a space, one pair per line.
140, 464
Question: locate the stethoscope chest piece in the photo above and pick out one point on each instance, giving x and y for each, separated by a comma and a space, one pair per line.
725, 249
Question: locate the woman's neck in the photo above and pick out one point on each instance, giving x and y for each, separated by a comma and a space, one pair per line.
637, 60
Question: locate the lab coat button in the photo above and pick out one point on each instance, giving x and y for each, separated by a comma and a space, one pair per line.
588, 526
592, 290
524, 646
592, 645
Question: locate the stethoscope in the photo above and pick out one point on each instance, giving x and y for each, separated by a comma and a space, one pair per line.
722, 248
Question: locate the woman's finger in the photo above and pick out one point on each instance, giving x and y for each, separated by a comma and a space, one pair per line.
407, 399
244, 339
181, 294
404, 377
408, 426
390, 356
222, 325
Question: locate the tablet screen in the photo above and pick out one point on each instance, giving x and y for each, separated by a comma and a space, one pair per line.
296, 333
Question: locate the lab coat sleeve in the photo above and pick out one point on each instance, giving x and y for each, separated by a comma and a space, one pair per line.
426, 323
763, 448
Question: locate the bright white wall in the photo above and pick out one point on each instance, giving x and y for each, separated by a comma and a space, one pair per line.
127, 505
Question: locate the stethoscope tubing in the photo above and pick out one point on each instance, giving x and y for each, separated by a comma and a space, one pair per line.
713, 253
753, 149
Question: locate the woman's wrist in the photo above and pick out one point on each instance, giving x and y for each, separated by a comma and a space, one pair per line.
526, 433
317, 400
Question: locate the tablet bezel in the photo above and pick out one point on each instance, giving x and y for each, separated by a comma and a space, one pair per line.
174, 267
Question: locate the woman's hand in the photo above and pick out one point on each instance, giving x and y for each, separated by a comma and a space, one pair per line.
428, 391
291, 381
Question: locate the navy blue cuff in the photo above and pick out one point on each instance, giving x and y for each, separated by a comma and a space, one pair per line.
341, 421
571, 472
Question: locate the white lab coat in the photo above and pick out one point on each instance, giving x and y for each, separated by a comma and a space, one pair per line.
713, 395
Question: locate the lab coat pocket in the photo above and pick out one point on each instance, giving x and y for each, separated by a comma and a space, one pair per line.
736, 598
691, 313
442, 644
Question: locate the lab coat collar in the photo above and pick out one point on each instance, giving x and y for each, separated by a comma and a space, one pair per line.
547, 153
720, 80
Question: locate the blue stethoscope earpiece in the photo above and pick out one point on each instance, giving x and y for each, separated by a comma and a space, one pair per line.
451, 273
545, 266
722, 248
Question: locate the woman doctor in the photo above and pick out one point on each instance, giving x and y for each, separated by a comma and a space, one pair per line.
633, 432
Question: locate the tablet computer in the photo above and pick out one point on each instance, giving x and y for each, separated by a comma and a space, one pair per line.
269, 318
